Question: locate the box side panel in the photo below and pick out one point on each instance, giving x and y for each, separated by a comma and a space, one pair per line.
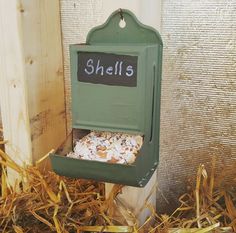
155, 55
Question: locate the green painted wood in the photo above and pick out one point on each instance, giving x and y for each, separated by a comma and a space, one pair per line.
104, 107
118, 108
135, 32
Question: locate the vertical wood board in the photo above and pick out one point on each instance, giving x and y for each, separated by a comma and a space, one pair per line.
44, 72
13, 94
31, 78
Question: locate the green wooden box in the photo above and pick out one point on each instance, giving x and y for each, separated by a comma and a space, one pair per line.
116, 86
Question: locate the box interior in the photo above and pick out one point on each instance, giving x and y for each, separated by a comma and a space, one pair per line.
76, 134
68, 145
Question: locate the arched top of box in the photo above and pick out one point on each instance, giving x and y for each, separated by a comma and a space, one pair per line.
134, 31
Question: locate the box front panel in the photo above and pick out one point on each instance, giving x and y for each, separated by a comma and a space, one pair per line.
108, 88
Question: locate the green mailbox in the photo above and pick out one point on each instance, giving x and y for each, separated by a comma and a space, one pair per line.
116, 86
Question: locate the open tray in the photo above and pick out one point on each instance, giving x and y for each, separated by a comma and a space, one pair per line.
135, 174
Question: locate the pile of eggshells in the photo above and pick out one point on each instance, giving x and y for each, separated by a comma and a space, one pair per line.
108, 147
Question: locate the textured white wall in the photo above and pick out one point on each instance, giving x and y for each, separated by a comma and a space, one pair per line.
198, 118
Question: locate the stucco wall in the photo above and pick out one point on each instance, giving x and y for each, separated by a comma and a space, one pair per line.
199, 90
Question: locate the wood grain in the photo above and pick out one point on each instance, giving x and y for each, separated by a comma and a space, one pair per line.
44, 72
32, 82
13, 94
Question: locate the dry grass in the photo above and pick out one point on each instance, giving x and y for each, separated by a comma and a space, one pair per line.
46, 202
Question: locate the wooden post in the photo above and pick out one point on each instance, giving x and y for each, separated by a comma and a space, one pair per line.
85, 15
135, 199
44, 72
31, 78
13, 90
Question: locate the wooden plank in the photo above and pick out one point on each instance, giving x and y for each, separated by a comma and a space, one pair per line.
32, 83
135, 199
150, 12
44, 72
13, 94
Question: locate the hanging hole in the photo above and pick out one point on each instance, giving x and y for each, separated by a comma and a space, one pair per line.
122, 23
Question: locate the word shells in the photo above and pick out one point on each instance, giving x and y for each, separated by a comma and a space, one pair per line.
108, 147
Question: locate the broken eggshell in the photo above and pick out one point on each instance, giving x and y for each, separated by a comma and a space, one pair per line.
108, 147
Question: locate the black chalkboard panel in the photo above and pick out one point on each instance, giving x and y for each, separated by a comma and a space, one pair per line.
107, 68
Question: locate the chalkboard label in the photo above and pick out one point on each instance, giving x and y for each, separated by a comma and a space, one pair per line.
107, 68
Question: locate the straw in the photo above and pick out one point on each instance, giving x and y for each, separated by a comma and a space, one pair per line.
51, 203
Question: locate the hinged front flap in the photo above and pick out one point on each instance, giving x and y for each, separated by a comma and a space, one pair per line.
108, 88
109, 75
